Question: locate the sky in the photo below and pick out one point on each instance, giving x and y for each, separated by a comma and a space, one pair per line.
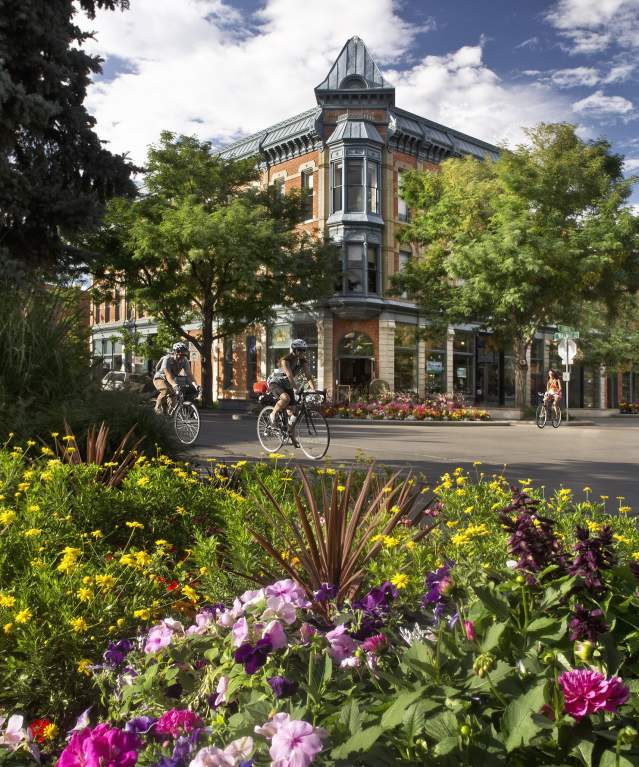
222, 69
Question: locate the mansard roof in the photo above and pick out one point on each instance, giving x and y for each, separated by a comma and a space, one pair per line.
355, 129
353, 68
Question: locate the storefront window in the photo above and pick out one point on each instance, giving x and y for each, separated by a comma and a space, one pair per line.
464, 364
537, 374
436, 364
278, 343
227, 363
355, 359
405, 357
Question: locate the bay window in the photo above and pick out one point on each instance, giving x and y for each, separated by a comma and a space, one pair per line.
362, 178
354, 186
361, 268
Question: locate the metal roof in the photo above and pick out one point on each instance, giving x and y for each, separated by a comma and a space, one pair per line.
297, 125
355, 129
354, 61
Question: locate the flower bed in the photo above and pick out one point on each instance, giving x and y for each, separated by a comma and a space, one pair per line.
629, 408
406, 408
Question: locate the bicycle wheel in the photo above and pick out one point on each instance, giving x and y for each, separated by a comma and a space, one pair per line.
269, 435
313, 435
187, 423
541, 416
556, 418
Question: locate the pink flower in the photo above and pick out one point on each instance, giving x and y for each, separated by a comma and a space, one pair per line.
469, 628
177, 722
15, 733
295, 744
253, 599
289, 591
158, 637
351, 662
102, 746
342, 645
276, 634
222, 687
268, 729
587, 692
279, 608
307, 632
237, 751
240, 632
375, 644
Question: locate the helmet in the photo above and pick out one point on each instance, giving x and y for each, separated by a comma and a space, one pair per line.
180, 348
299, 345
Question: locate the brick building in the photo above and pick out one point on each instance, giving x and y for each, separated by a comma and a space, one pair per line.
348, 152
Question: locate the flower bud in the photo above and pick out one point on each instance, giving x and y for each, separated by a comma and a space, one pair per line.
464, 730
583, 651
627, 735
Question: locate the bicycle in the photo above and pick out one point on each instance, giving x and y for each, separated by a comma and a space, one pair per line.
310, 429
184, 415
546, 411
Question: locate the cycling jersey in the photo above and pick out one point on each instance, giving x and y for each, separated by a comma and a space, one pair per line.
173, 365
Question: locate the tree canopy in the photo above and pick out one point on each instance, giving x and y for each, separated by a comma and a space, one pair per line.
525, 241
55, 173
205, 244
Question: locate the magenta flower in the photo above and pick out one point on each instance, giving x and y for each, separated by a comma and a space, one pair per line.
295, 744
469, 628
102, 746
341, 644
587, 692
177, 722
161, 635
375, 644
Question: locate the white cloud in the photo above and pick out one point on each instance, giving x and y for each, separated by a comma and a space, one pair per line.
571, 78
591, 26
598, 104
531, 42
631, 164
619, 74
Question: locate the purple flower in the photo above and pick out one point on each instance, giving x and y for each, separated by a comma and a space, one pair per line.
587, 624
176, 722
102, 746
341, 643
325, 592
587, 692
141, 725
159, 636
532, 538
282, 687
368, 625
378, 598
307, 632
253, 657
295, 744
592, 555
240, 631
289, 591
116, 652
438, 586
275, 632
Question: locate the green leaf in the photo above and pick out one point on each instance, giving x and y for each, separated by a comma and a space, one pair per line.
493, 601
548, 628
328, 670
360, 741
493, 635
442, 726
584, 750
413, 719
609, 759
350, 716
517, 721
446, 745
395, 713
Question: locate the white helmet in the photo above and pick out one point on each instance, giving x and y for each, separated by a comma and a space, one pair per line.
180, 348
299, 345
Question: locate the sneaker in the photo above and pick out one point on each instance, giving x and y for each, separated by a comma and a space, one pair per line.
291, 436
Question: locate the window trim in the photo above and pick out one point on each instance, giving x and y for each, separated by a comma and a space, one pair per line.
344, 187
364, 271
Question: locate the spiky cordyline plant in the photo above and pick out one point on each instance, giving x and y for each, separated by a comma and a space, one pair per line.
113, 468
331, 532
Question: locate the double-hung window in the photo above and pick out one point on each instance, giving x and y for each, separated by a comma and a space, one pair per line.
336, 184
354, 186
361, 177
361, 272
307, 192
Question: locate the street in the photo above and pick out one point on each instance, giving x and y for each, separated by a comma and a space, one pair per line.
603, 457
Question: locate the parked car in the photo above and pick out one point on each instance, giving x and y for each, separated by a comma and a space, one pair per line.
116, 380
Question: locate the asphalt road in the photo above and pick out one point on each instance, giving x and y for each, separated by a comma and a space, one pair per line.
604, 457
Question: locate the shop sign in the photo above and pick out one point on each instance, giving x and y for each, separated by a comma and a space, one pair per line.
434, 366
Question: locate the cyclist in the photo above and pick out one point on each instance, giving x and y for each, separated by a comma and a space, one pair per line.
553, 390
166, 372
281, 382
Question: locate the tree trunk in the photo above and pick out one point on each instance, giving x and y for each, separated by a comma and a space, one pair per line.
521, 372
206, 356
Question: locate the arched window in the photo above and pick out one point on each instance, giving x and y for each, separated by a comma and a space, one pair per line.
355, 344
353, 82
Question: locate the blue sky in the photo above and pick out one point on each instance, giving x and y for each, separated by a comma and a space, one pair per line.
223, 68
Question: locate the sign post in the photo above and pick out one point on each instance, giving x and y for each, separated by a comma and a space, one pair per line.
567, 351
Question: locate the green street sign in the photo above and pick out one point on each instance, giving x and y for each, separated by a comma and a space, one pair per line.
564, 329
565, 335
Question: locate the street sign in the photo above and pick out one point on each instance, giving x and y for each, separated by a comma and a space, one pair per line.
567, 350
565, 377
564, 334
564, 329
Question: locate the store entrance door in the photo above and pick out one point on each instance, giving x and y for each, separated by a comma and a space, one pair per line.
355, 371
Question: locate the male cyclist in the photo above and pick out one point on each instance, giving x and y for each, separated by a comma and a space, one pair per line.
281, 382
166, 372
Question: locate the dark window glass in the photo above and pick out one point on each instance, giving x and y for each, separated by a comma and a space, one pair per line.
372, 252
355, 186
402, 208
107, 311
464, 342
372, 186
116, 307
354, 268
227, 372
307, 191
436, 372
337, 185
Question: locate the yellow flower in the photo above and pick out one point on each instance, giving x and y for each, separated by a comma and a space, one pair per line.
295, 562
7, 517
79, 625
460, 481
69, 558
162, 542
476, 463
24, 616
32, 532
22, 486
399, 580
105, 581
84, 595
452, 523
50, 731
190, 593
46, 450
410, 545
341, 488
622, 539
68, 438
204, 570
387, 489
604, 497
390, 541
275, 456
6, 600
143, 614
143, 481
128, 559
55, 434
142, 558
635, 556
376, 538
137, 525
120, 622
83, 666
625, 509
37, 564
587, 489
97, 534
87, 580
7, 628
180, 510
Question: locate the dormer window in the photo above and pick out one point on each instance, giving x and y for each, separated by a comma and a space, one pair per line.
353, 83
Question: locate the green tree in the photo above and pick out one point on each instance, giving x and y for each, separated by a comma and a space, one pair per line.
55, 173
612, 341
204, 244
524, 241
